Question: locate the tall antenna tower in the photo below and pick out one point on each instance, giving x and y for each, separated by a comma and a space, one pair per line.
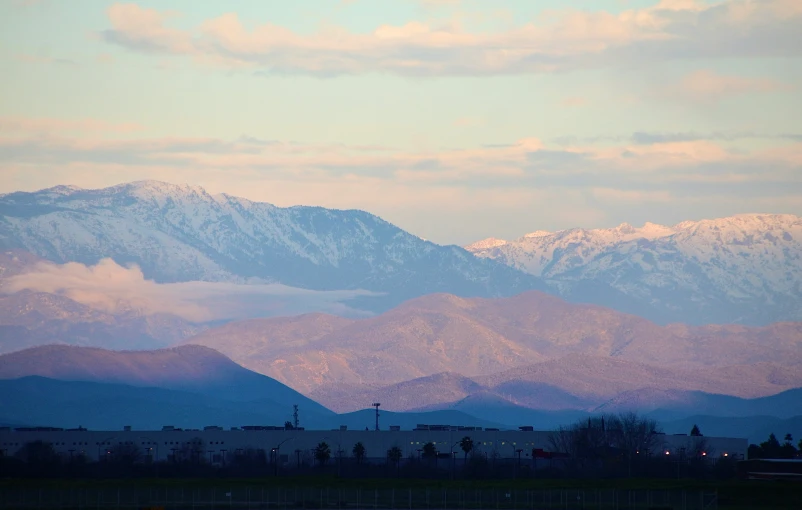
376, 405
295, 415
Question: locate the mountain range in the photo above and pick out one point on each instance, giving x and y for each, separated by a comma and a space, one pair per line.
741, 269
182, 233
188, 386
320, 355
192, 387
40, 401
675, 321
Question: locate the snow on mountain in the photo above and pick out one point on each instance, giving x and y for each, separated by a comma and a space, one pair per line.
745, 268
182, 233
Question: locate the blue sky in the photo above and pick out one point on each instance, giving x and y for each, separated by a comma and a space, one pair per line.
456, 120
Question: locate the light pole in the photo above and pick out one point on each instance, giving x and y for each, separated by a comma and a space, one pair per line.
151, 444
106, 448
453, 467
376, 405
514, 470
275, 455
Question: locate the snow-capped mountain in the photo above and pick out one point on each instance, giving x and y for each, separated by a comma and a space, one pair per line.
745, 268
182, 233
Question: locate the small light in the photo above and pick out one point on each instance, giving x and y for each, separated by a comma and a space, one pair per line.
704, 453
725, 454
667, 453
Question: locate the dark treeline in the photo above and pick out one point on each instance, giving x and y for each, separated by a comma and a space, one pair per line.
612, 446
773, 449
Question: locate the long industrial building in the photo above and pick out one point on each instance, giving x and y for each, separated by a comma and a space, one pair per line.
291, 446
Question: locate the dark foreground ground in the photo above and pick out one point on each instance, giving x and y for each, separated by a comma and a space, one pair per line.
331, 493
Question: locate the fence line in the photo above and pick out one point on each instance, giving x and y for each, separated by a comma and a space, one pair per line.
355, 499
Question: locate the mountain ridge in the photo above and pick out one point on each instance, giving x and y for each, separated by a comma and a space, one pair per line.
476, 337
745, 268
192, 368
180, 233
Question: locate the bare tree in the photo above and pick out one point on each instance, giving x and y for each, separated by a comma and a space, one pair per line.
191, 451
125, 454
596, 440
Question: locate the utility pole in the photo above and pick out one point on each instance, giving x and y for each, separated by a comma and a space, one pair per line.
295, 415
376, 405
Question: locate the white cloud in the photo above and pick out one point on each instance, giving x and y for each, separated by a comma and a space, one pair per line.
556, 40
112, 288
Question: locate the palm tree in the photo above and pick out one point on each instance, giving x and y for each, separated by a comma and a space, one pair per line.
394, 454
466, 443
322, 453
359, 452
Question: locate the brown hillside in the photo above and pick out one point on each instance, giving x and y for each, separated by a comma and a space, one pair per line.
474, 337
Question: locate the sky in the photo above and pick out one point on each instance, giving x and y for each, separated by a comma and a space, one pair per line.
456, 120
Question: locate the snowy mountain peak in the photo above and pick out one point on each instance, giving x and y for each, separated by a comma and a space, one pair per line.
744, 268
181, 233
62, 190
490, 242
159, 189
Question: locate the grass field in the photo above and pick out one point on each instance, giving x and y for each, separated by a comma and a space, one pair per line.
332, 492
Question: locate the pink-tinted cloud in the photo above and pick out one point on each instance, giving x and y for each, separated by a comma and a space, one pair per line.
573, 102
112, 288
43, 125
706, 85
556, 40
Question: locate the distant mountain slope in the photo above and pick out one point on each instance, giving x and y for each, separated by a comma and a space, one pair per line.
474, 337
181, 233
586, 383
669, 407
742, 269
189, 368
486, 405
28, 319
596, 376
98, 406
755, 428
681, 403
414, 394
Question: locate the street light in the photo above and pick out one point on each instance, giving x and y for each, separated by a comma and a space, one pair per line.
514, 451
275, 455
453, 461
106, 448
150, 448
